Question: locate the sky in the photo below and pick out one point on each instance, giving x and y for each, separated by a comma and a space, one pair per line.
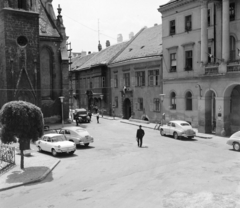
88, 21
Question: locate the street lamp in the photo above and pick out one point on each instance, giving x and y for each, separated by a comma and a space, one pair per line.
61, 99
161, 106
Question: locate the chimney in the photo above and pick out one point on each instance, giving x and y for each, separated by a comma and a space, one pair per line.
131, 35
99, 46
119, 38
107, 43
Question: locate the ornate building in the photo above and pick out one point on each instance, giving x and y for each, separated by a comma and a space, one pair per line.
201, 68
34, 59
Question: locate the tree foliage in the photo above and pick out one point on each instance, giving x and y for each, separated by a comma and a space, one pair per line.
22, 120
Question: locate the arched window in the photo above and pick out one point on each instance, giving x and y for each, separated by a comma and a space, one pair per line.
232, 48
188, 101
173, 105
46, 73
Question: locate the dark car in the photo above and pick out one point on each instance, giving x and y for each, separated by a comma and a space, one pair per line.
81, 116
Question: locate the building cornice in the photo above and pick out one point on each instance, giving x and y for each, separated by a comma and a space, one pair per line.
175, 4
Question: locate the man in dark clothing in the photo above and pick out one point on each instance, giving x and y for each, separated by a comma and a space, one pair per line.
140, 134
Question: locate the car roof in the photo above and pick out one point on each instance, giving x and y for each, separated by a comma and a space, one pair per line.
52, 134
80, 109
73, 128
179, 121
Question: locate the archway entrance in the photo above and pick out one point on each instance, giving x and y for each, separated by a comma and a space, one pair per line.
127, 109
210, 112
234, 109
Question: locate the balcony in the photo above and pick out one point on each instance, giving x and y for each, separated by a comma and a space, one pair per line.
211, 68
233, 67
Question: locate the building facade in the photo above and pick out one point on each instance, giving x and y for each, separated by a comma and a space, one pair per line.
136, 77
201, 68
34, 59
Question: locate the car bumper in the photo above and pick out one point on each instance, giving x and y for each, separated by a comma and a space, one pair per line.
87, 140
66, 150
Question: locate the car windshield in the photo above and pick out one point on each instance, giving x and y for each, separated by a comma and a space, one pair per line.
237, 134
81, 112
184, 124
58, 138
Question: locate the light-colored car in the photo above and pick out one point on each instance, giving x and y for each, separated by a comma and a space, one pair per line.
55, 143
178, 129
234, 141
77, 135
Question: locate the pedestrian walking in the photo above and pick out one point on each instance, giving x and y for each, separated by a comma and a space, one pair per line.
97, 115
90, 115
139, 136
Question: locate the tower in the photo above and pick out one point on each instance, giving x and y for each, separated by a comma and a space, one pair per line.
19, 51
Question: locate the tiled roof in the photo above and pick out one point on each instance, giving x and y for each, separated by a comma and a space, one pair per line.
103, 57
80, 60
147, 43
46, 27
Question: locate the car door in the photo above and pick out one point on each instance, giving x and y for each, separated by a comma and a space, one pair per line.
42, 143
49, 144
172, 128
166, 130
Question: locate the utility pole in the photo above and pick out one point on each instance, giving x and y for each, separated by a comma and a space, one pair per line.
69, 48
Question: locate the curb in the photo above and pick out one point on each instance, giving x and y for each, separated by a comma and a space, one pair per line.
32, 181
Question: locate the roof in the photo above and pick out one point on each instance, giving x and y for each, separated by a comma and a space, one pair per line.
80, 60
147, 43
46, 25
103, 57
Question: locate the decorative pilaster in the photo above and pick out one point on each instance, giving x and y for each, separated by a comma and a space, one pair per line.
225, 31
204, 32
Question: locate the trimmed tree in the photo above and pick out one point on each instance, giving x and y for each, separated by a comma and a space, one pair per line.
21, 120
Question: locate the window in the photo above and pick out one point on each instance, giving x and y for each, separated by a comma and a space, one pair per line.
126, 79
209, 17
173, 62
189, 101
232, 11
173, 101
116, 102
156, 103
209, 55
232, 48
115, 80
188, 63
172, 28
188, 23
153, 77
140, 79
140, 104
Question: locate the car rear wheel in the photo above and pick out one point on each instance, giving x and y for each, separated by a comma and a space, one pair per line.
39, 149
86, 144
175, 135
236, 146
54, 153
162, 132
71, 153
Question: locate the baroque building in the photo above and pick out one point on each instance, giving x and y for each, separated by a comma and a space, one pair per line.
201, 67
34, 58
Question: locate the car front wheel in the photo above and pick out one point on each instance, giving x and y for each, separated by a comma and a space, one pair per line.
54, 153
86, 144
71, 153
236, 146
162, 132
175, 135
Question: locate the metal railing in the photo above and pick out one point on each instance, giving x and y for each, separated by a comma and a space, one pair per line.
7, 157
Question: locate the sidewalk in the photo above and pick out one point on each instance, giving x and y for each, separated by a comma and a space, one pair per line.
37, 167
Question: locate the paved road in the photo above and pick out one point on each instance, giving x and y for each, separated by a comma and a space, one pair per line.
114, 172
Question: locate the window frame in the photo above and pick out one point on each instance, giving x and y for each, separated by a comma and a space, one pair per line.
140, 78
188, 20
188, 59
173, 57
140, 104
156, 104
126, 79
189, 101
115, 80
232, 48
232, 11
173, 105
116, 101
153, 77
172, 27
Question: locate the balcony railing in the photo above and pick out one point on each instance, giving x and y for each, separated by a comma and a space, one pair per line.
233, 68
211, 68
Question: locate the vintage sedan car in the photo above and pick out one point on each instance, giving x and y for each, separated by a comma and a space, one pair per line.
77, 135
81, 116
178, 129
234, 141
55, 143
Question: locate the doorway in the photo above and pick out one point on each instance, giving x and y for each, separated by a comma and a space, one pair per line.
127, 109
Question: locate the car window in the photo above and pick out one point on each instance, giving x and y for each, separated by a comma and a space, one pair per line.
173, 125
67, 132
169, 124
184, 124
45, 138
49, 139
59, 138
61, 132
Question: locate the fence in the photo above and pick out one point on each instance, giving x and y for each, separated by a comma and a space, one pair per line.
7, 157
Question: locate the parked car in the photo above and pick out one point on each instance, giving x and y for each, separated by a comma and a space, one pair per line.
178, 129
55, 143
81, 116
234, 141
77, 135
